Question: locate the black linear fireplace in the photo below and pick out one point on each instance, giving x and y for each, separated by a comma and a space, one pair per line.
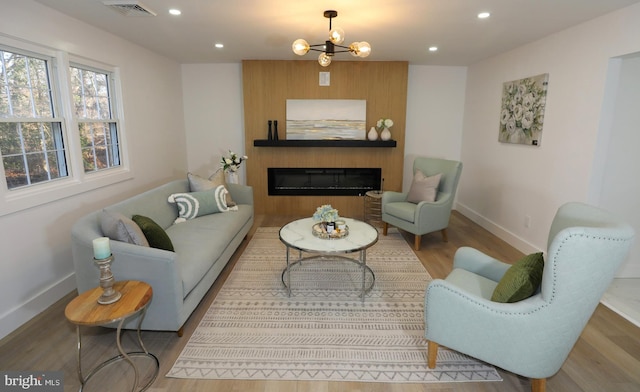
323, 181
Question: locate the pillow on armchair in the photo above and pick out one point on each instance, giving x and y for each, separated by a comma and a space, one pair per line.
423, 188
521, 280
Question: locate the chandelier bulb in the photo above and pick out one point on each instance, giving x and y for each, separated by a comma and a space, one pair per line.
336, 35
364, 49
324, 59
354, 49
300, 47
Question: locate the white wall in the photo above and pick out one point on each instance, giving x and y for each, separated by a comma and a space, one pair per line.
504, 183
35, 263
619, 188
214, 119
435, 99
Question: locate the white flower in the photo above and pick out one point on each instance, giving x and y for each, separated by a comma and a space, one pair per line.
511, 126
504, 116
527, 120
517, 112
384, 123
232, 162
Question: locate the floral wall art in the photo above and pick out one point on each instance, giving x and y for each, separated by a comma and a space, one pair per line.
522, 115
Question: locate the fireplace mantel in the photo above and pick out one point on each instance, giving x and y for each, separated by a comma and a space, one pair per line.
323, 143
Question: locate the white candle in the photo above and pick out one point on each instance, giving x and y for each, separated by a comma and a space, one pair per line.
101, 249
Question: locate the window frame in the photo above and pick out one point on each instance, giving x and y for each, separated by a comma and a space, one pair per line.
113, 119
55, 120
77, 182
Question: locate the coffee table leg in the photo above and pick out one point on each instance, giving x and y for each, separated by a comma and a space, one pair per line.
288, 274
363, 261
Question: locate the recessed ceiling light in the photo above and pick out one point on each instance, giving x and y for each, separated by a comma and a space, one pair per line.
175, 11
483, 15
219, 46
433, 49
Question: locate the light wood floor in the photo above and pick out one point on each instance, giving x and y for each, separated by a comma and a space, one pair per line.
605, 358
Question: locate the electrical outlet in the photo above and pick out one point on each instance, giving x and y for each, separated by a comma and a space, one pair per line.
527, 221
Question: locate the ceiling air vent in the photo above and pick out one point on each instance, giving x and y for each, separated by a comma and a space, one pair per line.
129, 7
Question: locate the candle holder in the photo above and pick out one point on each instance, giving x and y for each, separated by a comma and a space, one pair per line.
109, 294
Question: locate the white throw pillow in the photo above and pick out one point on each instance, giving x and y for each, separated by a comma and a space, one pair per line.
195, 204
423, 188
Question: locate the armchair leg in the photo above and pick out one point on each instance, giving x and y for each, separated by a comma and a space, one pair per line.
445, 238
538, 384
416, 242
432, 354
385, 227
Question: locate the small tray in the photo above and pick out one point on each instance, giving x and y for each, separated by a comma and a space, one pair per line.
319, 231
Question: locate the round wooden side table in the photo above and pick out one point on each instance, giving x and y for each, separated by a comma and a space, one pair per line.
84, 310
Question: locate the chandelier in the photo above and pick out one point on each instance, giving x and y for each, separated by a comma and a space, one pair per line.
328, 50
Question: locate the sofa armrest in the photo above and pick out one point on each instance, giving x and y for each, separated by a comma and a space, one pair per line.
159, 268
241, 194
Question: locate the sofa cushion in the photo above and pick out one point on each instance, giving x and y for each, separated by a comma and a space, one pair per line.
195, 204
423, 188
155, 234
200, 242
521, 280
120, 228
198, 184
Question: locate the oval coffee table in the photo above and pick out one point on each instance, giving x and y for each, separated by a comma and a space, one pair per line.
298, 235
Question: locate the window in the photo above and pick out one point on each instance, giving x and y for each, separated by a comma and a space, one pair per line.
93, 110
31, 135
61, 126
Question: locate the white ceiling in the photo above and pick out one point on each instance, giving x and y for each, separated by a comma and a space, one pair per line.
396, 29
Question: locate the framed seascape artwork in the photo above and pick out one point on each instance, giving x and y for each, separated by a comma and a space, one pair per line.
522, 114
326, 119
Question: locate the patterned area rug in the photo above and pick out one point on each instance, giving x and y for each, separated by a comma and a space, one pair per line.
254, 331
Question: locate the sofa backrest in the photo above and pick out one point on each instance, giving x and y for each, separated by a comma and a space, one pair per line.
153, 203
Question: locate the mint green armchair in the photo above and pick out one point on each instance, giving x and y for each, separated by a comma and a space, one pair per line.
532, 337
424, 217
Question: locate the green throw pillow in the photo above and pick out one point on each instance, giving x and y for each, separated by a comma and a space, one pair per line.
195, 204
521, 280
155, 234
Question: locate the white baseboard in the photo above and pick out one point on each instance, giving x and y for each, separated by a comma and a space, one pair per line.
18, 316
497, 230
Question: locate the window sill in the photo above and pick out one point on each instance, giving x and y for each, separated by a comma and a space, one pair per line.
25, 198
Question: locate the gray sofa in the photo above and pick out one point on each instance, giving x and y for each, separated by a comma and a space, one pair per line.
179, 279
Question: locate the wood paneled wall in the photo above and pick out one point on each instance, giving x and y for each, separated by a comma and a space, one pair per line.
268, 84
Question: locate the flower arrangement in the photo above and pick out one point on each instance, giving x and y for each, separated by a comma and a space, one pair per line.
384, 123
232, 162
325, 213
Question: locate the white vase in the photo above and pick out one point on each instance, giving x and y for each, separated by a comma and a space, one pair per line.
373, 134
232, 177
385, 134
